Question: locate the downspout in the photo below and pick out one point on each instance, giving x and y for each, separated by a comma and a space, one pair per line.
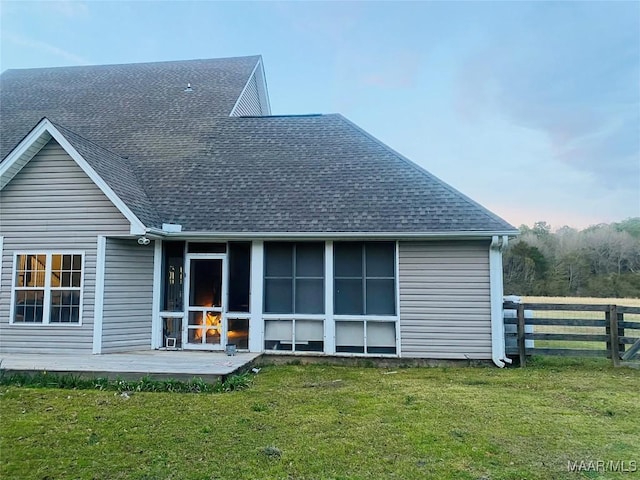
498, 354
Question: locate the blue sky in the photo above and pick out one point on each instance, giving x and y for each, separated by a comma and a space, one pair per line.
530, 108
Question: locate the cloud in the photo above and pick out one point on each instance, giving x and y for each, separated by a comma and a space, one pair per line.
45, 9
571, 70
398, 69
474, 87
43, 47
611, 166
325, 22
345, 30
67, 8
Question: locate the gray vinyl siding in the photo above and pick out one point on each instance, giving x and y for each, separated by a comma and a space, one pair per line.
249, 103
445, 301
128, 296
52, 205
28, 153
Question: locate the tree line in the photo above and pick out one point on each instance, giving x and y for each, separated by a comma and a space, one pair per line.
599, 261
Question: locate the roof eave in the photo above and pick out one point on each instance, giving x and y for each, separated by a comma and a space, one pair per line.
421, 169
460, 235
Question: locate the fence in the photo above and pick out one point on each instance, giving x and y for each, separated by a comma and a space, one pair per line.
557, 326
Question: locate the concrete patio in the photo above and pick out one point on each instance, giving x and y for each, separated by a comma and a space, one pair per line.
157, 364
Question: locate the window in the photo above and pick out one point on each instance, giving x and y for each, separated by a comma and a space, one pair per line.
370, 336
294, 278
47, 288
294, 335
238, 332
365, 282
29, 288
239, 276
173, 276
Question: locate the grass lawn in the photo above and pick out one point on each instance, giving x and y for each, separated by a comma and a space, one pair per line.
318, 421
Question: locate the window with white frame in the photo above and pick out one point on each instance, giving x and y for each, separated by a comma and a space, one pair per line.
365, 278
365, 297
294, 277
47, 288
366, 336
294, 335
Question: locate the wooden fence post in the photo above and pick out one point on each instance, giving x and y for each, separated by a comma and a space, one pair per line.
621, 346
613, 335
522, 351
607, 330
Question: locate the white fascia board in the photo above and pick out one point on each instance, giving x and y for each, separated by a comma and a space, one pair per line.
45, 127
19, 155
332, 235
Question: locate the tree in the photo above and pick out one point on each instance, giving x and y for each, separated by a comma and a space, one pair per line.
541, 229
630, 225
525, 266
601, 260
570, 268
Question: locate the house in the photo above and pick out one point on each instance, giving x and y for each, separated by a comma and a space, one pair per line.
160, 205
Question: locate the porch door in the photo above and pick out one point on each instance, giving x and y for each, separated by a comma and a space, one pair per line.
205, 328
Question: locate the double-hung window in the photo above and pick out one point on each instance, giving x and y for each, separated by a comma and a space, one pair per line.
47, 288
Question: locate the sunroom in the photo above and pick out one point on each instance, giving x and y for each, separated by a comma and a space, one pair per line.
305, 297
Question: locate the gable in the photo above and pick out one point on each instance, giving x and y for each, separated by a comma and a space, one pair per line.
51, 194
96, 163
254, 100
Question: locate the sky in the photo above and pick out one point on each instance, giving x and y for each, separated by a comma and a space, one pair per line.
530, 108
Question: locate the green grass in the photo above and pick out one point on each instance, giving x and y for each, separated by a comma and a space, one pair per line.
317, 422
144, 384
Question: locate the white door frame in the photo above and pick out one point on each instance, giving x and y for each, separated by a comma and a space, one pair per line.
223, 303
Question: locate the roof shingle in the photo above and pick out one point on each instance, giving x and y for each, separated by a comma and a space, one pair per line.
315, 173
175, 156
120, 106
117, 173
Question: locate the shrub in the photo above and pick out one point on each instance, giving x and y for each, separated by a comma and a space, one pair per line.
145, 384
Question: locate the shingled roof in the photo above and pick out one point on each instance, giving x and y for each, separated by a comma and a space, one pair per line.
124, 107
213, 173
118, 174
